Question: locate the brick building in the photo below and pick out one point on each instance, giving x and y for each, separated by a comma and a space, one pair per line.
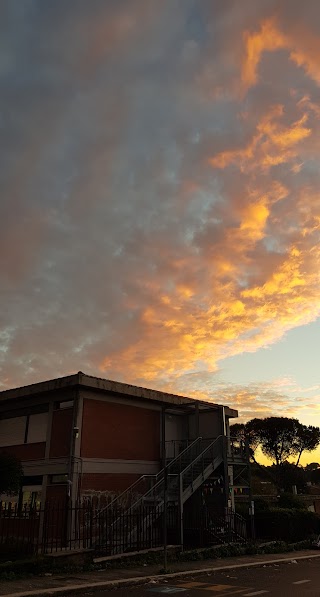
85, 436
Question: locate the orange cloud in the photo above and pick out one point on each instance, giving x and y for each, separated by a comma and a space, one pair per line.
273, 143
303, 48
253, 272
268, 39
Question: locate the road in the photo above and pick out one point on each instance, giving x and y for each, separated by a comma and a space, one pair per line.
301, 579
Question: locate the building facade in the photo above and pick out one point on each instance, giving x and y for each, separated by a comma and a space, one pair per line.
81, 436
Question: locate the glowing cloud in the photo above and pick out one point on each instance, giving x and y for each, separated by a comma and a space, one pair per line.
160, 190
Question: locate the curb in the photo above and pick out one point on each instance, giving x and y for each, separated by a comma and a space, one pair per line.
140, 580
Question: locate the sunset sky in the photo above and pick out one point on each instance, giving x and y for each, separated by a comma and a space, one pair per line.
159, 206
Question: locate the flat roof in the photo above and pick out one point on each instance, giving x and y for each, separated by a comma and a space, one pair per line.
110, 386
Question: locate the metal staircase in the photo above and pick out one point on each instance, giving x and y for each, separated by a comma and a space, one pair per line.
136, 513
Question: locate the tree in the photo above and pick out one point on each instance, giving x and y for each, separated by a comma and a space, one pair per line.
10, 474
287, 475
315, 476
312, 466
279, 438
244, 433
308, 439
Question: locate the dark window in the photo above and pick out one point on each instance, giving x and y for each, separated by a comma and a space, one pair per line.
58, 479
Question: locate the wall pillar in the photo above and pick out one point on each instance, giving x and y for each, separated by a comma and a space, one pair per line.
197, 423
163, 436
45, 478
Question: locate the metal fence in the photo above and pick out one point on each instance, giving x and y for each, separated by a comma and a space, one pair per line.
205, 529
57, 527
62, 528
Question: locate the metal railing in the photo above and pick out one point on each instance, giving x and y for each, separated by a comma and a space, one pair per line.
52, 528
237, 448
206, 528
63, 529
145, 483
202, 461
119, 531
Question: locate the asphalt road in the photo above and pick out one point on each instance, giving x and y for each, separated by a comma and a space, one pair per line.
301, 579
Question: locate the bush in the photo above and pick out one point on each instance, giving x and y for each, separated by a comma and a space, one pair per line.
289, 500
261, 505
286, 524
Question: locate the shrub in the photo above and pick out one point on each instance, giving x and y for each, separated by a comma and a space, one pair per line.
261, 505
286, 524
289, 500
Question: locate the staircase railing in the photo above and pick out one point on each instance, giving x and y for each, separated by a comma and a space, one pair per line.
201, 454
145, 483
229, 527
202, 461
175, 468
136, 512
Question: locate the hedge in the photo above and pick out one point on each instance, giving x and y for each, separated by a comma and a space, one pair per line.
286, 524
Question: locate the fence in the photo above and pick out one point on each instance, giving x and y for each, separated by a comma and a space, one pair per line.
207, 529
29, 530
57, 528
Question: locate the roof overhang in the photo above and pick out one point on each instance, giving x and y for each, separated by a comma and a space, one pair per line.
174, 402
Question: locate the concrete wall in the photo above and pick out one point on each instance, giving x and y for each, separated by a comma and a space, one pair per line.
210, 424
106, 482
176, 431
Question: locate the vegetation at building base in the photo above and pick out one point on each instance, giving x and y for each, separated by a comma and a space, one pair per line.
287, 524
11, 474
40, 566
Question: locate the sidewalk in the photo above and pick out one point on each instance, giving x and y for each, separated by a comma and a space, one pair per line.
108, 579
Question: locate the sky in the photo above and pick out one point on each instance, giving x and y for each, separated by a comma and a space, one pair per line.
159, 197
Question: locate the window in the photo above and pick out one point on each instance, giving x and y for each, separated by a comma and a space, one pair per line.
12, 431
56, 479
29, 429
64, 404
37, 428
31, 496
5, 500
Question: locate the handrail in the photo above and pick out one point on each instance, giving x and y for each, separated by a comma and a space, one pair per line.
157, 484
118, 497
159, 474
202, 454
181, 454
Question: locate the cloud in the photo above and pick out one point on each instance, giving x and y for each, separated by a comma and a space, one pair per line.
159, 195
303, 48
